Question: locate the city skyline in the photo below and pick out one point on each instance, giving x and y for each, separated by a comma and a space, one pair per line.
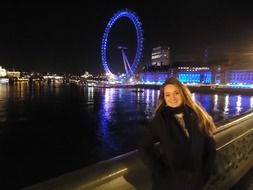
66, 36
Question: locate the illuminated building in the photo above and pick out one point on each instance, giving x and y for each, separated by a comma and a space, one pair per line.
86, 75
236, 71
239, 76
154, 77
201, 75
13, 74
186, 74
3, 72
160, 56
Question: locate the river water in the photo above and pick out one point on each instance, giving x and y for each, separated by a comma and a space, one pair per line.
48, 130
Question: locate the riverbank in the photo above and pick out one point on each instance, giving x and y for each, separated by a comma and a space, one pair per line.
218, 89
193, 88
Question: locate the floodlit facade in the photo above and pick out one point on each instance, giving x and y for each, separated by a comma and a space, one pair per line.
189, 75
3, 72
160, 56
13, 74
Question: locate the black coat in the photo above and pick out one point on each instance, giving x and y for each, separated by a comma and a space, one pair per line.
177, 162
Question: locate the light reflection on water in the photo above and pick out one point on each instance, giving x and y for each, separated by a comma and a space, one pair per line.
105, 113
123, 111
224, 106
3, 104
238, 104
111, 107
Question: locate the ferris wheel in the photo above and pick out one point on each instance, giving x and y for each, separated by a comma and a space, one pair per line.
129, 67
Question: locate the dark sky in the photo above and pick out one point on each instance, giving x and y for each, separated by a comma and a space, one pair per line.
65, 36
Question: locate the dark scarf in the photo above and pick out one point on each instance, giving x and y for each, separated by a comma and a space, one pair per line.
173, 111
168, 113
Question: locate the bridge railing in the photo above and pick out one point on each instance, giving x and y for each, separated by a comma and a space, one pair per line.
234, 140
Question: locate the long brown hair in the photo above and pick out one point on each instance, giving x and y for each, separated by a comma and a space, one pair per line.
205, 121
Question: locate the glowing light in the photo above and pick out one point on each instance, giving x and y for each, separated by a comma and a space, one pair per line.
215, 101
226, 104
105, 115
193, 96
4, 80
147, 95
251, 102
239, 104
91, 94
3, 72
195, 77
135, 20
153, 97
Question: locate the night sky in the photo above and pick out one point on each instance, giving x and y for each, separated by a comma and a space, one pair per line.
65, 36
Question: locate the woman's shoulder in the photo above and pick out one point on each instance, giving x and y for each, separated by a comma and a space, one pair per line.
190, 112
155, 120
156, 117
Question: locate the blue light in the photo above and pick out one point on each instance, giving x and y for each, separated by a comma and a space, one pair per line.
156, 78
135, 20
195, 77
240, 78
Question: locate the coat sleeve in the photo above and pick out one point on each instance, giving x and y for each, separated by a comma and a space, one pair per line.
147, 148
209, 157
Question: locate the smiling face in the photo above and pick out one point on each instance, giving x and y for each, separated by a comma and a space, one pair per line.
172, 96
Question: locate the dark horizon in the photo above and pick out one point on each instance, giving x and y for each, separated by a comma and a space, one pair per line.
65, 37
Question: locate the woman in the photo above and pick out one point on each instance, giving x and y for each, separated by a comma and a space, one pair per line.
185, 155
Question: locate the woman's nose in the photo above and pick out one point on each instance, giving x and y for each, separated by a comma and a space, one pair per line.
173, 97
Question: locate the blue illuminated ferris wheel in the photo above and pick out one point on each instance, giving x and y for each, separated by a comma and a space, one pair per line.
129, 68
